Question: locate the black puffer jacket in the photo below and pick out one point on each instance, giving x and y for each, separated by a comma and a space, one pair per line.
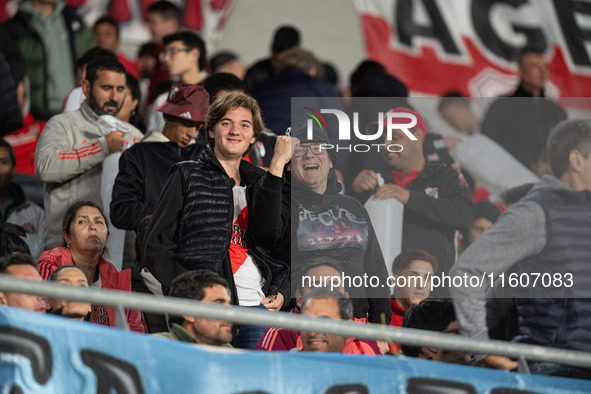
191, 227
143, 170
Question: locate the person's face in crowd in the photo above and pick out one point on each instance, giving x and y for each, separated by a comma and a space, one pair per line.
147, 63
7, 170
316, 341
533, 71
479, 226
88, 231
211, 332
447, 356
160, 27
24, 301
407, 157
129, 105
319, 276
418, 276
312, 167
459, 116
233, 134
105, 36
180, 131
73, 309
107, 93
179, 59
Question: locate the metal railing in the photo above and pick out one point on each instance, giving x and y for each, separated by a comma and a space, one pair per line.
177, 306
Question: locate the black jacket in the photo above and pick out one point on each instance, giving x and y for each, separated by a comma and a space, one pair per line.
143, 169
191, 227
337, 226
440, 203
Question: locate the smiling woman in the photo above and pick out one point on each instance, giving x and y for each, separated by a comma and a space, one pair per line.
85, 235
221, 213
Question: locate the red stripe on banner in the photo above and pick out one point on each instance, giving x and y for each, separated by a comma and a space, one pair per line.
424, 71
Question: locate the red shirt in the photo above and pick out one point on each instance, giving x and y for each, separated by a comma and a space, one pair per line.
403, 180
24, 143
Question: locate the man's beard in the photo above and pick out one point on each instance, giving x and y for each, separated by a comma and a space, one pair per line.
101, 110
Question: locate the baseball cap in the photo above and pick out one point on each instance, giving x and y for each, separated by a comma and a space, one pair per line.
402, 120
188, 102
299, 130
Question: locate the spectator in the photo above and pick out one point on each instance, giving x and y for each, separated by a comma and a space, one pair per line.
326, 304
346, 235
51, 37
412, 270
221, 213
438, 316
184, 56
227, 62
485, 215
284, 38
475, 151
321, 272
85, 234
436, 198
164, 18
106, 35
72, 148
14, 207
521, 123
73, 276
205, 286
23, 266
139, 182
76, 96
222, 83
10, 117
128, 112
545, 232
298, 76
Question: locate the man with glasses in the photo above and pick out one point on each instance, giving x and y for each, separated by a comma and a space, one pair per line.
327, 223
184, 56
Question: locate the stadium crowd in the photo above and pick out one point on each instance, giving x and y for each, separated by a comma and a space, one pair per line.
187, 175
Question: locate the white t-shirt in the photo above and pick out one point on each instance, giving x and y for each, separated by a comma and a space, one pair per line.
247, 276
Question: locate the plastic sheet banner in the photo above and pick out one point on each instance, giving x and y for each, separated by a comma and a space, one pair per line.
473, 45
48, 354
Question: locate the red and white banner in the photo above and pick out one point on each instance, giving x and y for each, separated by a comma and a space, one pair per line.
472, 45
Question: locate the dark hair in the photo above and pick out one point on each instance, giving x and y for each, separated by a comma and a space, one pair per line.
55, 274
530, 50
222, 81
192, 284
344, 303
7, 146
132, 83
71, 212
404, 259
364, 70
330, 73
102, 63
513, 195
192, 41
220, 59
221, 106
109, 21
429, 314
92, 54
565, 137
321, 261
166, 10
452, 98
16, 258
148, 49
285, 37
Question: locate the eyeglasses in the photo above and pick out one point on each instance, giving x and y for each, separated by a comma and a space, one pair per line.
317, 149
172, 52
